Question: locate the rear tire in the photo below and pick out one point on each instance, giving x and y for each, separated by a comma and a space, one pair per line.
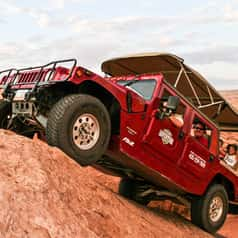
233, 209
129, 188
5, 112
79, 125
209, 211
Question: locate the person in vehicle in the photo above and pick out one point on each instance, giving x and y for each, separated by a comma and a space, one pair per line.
231, 157
175, 118
222, 149
199, 129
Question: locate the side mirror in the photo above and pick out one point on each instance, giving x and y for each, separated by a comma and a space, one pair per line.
172, 104
170, 107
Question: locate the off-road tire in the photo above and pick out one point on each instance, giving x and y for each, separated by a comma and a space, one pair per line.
62, 124
128, 188
233, 209
5, 111
200, 207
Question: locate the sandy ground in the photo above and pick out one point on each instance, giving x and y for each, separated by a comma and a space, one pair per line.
45, 194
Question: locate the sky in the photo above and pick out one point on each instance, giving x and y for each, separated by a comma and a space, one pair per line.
203, 33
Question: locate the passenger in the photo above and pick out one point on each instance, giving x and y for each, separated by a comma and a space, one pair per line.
222, 149
231, 157
175, 118
200, 133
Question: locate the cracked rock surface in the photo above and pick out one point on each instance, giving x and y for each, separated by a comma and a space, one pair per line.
43, 193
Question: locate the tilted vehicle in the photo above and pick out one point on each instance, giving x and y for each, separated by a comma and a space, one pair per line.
120, 125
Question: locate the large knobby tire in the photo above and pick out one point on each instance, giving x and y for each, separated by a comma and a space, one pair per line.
233, 209
5, 112
209, 211
79, 125
129, 188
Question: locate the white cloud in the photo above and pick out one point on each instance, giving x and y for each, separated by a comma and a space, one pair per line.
120, 25
91, 53
231, 13
60, 4
97, 37
9, 49
51, 17
57, 3
221, 75
8, 8
218, 53
33, 53
41, 17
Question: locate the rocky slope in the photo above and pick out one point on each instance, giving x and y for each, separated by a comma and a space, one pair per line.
43, 193
232, 97
232, 220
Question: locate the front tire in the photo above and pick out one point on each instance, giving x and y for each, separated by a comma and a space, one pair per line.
209, 211
79, 125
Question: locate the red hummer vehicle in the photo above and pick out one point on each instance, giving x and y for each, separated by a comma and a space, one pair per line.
122, 124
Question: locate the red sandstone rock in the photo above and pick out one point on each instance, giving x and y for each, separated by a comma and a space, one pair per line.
229, 229
43, 193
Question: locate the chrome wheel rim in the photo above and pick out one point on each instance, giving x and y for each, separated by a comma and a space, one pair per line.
216, 209
86, 131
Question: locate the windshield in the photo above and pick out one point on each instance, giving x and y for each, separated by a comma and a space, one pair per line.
144, 88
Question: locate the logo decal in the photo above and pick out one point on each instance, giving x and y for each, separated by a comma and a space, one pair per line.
131, 131
166, 137
197, 159
128, 141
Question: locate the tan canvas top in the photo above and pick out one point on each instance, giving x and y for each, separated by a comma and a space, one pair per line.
185, 79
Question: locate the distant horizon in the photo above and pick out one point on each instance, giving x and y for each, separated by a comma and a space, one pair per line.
230, 90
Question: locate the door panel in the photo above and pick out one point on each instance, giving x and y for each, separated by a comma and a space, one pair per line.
196, 158
164, 138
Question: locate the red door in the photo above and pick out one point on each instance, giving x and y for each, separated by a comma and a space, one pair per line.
196, 159
198, 155
164, 139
